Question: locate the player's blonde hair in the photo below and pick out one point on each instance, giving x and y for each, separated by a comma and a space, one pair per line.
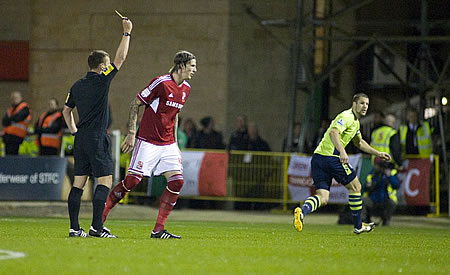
181, 58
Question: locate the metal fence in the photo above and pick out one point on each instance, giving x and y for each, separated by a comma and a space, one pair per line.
261, 177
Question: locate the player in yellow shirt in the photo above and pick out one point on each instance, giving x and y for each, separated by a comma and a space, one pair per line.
331, 161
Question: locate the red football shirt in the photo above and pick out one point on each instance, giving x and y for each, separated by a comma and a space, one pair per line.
163, 99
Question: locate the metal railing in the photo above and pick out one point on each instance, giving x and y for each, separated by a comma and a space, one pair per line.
261, 177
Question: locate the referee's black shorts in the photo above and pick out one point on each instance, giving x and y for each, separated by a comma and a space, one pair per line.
92, 153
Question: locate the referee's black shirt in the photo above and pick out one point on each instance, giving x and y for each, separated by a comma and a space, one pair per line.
90, 96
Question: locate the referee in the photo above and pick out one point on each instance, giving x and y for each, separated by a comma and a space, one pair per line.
92, 148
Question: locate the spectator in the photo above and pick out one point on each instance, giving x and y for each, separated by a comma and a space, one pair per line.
415, 136
190, 129
255, 142
15, 123
208, 138
380, 197
378, 120
386, 139
49, 129
239, 137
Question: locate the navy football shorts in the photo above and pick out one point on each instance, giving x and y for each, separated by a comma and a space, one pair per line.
92, 153
325, 168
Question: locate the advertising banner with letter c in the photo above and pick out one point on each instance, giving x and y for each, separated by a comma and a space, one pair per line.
414, 181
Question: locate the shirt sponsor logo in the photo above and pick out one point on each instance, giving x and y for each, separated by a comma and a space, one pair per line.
340, 122
174, 104
171, 95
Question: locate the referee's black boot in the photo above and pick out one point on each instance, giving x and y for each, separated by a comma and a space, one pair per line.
78, 233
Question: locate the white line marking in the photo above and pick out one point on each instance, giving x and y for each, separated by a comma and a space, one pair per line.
7, 254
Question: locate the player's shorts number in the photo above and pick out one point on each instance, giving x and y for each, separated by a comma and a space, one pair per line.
347, 169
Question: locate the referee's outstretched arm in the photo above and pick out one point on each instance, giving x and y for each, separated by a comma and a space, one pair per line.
122, 50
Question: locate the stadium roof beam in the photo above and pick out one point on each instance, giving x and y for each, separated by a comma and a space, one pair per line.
408, 64
263, 24
441, 126
404, 23
398, 38
341, 60
329, 20
296, 53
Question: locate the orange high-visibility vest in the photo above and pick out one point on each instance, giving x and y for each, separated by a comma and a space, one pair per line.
48, 139
18, 128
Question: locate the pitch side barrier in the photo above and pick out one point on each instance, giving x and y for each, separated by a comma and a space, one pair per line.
29, 176
237, 176
284, 178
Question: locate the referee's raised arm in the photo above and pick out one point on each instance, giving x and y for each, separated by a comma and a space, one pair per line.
122, 50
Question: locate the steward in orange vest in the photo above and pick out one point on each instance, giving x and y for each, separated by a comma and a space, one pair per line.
15, 123
49, 130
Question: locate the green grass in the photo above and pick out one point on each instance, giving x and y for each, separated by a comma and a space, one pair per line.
222, 247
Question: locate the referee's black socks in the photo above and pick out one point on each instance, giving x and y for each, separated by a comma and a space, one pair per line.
98, 204
73, 202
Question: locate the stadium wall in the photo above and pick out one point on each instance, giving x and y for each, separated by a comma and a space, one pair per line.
64, 33
258, 71
16, 24
242, 69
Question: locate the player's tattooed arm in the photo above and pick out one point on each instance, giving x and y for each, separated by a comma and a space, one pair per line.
132, 118
128, 143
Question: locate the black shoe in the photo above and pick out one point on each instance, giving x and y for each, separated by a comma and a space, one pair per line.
105, 233
164, 235
78, 233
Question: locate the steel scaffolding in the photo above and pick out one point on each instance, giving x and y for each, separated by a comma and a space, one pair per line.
304, 32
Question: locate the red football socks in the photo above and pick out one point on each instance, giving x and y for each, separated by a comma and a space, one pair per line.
168, 200
119, 191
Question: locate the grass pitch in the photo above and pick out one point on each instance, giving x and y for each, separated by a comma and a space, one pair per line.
221, 247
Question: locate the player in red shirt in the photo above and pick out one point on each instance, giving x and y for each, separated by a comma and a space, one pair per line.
155, 144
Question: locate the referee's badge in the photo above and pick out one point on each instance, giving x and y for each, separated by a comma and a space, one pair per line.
340, 122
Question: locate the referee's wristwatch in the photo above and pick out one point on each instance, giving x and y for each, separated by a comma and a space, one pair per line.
127, 34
